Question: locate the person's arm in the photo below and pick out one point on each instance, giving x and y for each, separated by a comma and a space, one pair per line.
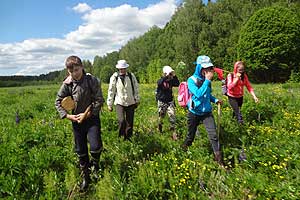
97, 101
62, 93
250, 88
136, 89
174, 81
198, 91
112, 89
160, 82
232, 80
205, 88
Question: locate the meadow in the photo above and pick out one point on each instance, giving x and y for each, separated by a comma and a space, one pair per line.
37, 160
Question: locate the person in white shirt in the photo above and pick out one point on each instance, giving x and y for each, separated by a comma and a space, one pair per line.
123, 92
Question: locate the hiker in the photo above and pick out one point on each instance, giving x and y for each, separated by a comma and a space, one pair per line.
123, 92
85, 90
200, 109
235, 89
164, 96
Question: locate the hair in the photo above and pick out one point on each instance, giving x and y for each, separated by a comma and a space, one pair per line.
239, 63
73, 61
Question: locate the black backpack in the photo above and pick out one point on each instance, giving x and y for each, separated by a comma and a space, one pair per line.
130, 77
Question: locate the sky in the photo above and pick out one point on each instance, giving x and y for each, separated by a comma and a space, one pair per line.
37, 36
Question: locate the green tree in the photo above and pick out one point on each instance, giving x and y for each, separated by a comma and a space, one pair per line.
105, 73
269, 42
87, 66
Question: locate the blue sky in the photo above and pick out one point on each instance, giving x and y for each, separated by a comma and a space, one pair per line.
37, 36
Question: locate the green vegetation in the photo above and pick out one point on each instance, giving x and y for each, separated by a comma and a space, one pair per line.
37, 159
270, 42
264, 33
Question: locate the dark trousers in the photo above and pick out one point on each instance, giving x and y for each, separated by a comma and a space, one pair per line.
125, 116
209, 123
88, 131
236, 104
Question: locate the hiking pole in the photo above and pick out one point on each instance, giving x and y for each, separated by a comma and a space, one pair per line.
219, 120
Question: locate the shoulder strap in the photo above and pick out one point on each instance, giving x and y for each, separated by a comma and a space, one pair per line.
130, 77
89, 79
197, 81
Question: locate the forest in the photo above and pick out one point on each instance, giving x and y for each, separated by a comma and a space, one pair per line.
263, 33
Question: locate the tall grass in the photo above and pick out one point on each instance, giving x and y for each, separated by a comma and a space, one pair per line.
37, 159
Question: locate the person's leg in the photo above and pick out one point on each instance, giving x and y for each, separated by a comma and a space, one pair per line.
161, 114
210, 126
81, 149
129, 121
96, 146
240, 103
193, 122
121, 120
236, 109
172, 118
172, 115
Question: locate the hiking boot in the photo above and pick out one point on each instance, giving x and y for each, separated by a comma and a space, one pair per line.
94, 171
85, 173
184, 147
218, 158
160, 128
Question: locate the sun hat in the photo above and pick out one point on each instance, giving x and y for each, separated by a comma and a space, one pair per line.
68, 103
167, 70
204, 61
122, 64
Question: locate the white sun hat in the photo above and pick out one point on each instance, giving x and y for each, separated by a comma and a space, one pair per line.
122, 64
167, 70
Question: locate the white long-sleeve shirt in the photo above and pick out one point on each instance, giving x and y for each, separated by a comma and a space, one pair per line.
122, 94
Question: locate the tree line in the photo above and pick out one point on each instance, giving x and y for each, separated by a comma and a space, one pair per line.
263, 33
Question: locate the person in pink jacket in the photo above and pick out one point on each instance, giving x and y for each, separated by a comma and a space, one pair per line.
235, 89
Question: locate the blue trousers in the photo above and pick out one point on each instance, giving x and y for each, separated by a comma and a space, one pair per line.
88, 131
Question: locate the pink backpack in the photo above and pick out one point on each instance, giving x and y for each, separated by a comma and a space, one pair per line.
183, 93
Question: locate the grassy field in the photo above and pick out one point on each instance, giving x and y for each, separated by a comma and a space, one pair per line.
37, 159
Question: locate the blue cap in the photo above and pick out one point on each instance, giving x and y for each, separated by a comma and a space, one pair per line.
204, 61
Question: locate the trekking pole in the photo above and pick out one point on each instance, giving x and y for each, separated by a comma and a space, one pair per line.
219, 120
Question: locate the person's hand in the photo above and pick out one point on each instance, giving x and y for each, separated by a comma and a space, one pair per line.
209, 74
170, 76
219, 102
238, 75
89, 114
110, 108
136, 104
79, 117
73, 118
256, 99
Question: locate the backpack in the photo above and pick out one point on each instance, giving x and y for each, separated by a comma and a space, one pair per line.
130, 77
70, 83
183, 93
224, 85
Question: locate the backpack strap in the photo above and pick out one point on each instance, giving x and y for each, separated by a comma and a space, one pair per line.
197, 81
130, 77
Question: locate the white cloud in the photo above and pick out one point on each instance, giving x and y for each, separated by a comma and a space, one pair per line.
103, 30
82, 8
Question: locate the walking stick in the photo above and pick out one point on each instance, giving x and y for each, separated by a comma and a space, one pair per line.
219, 120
